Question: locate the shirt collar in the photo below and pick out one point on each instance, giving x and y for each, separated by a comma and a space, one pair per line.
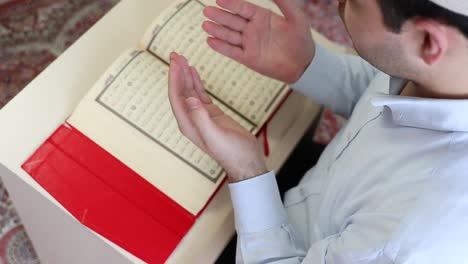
436, 114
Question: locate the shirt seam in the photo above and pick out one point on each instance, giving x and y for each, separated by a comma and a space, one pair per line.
302, 199
384, 254
356, 134
247, 234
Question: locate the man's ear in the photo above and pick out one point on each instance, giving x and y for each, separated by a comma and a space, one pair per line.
435, 40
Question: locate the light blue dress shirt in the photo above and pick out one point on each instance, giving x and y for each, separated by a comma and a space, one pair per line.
392, 187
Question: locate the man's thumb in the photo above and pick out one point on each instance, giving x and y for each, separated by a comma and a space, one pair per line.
291, 9
201, 119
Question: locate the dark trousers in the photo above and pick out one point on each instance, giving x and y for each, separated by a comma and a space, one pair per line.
301, 160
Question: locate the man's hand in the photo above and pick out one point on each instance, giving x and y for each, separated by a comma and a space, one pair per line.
276, 46
225, 140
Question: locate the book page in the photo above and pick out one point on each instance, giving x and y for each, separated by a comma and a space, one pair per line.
128, 113
178, 29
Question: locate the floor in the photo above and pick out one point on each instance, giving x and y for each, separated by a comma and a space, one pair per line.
33, 33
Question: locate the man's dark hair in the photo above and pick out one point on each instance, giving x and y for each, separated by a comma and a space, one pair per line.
397, 12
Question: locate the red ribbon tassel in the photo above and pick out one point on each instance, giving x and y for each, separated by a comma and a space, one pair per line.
266, 145
264, 130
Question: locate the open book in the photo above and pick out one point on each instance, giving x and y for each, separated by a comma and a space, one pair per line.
127, 112
119, 164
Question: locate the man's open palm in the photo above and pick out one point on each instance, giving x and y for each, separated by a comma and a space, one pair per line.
276, 46
225, 140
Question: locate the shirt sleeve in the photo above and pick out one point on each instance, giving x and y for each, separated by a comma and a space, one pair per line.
336, 80
264, 233
266, 236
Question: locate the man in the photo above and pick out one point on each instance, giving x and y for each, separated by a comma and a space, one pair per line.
392, 187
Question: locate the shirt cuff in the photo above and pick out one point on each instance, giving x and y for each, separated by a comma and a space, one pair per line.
257, 204
317, 75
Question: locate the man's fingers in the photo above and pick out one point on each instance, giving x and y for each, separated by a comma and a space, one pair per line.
208, 130
225, 18
188, 90
239, 7
231, 51
290, 9
223, 33
204, 97
176, 80
177, 101
213, 110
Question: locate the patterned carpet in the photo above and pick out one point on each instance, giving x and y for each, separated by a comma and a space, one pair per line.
33, 33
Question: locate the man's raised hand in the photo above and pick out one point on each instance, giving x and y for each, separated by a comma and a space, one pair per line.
225, 140
276, 46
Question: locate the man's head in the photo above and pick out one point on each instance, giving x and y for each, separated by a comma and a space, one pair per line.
396, 13
412, 39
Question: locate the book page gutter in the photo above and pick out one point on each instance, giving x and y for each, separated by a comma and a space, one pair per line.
138, 95
246, 92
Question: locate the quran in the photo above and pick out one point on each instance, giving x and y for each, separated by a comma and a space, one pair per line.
128, 113
120, 160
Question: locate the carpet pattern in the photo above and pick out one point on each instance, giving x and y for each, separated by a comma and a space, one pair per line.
33, 33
